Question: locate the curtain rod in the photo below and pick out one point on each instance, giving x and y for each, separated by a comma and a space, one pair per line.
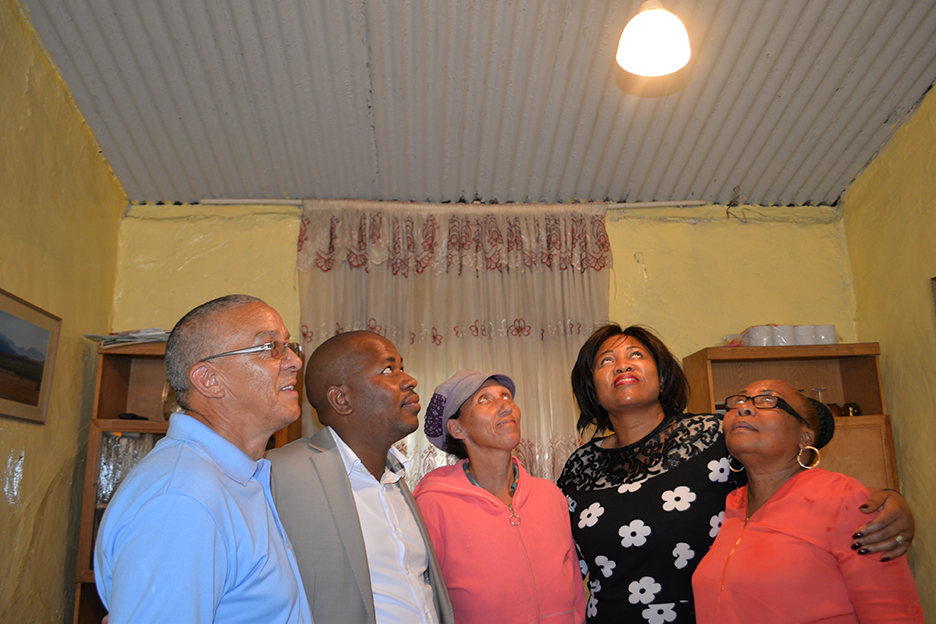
609, 206
242, 202
658, 204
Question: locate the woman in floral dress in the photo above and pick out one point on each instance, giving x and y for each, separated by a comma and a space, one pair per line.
647, 501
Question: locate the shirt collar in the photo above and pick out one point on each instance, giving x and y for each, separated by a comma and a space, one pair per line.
234, 462
397, 462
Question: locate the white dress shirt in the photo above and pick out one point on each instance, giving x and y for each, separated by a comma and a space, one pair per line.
396, 553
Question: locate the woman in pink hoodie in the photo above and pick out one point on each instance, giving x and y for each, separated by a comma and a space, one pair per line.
502, 537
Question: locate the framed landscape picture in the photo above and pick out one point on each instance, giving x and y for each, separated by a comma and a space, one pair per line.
28, 340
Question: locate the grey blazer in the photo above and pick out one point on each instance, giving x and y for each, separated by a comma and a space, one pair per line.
314, 501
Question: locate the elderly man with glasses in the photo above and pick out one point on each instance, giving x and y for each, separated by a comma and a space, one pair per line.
192, 534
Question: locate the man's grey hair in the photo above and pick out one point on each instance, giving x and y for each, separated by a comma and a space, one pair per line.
193, 338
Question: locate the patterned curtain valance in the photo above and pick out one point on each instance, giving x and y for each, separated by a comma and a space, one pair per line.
444, 238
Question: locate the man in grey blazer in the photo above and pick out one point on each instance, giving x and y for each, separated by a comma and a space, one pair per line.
363, 551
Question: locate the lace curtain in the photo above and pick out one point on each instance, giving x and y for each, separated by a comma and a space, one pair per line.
456, 286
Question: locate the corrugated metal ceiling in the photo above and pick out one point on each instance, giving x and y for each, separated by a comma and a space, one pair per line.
492, 100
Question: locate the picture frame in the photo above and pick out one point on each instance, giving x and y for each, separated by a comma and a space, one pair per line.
933, 286
28, 342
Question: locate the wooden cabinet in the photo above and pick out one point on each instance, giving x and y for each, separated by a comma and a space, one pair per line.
863, 446
131, 379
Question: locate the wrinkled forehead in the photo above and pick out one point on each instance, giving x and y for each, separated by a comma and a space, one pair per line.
384, 347
777, 388
372, 348
619, 343
770, 386
499, 388
251, 323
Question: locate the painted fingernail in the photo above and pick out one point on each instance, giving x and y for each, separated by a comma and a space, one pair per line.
883, 559
858, 535
863, 551
856, 546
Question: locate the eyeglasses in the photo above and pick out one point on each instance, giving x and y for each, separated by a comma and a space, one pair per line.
276, 348
762, 401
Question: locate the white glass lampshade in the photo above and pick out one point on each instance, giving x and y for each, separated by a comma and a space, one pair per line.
654, 42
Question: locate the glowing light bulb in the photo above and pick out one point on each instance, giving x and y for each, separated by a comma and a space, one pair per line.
654, 42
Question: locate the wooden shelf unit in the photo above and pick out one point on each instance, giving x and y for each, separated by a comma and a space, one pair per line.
863, 446
130, 379
91, 511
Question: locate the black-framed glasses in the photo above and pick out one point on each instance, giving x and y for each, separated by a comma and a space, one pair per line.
763, 401
276, 348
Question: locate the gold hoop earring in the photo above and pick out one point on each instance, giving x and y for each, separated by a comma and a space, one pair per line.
732, 468
799, 458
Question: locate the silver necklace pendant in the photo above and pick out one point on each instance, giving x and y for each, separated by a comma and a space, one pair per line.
514, 518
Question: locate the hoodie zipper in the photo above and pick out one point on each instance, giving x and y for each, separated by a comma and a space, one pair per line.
733, 549
515, 522
526, 555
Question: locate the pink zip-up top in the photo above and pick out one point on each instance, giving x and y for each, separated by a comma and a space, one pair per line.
495, 570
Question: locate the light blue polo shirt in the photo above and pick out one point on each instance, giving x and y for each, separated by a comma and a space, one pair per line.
192, 536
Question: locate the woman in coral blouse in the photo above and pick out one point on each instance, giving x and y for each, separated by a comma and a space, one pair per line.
502, 537
781, 555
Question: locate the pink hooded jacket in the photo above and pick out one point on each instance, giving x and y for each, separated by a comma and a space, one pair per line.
495, 571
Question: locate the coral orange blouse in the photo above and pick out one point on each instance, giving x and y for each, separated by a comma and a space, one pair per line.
792, 561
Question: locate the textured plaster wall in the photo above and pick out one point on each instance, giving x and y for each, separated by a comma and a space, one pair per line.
173, 258
890, 221
674, 268
694, 275
59, 210
697, 274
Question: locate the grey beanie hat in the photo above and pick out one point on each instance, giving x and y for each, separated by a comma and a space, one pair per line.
449, 396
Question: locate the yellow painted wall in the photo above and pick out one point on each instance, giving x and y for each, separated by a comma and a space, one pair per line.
890, 222
694, 275
59, 210
173, 258
673, 267
697, 274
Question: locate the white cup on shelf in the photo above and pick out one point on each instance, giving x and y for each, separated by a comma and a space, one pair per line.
825, 334
805, 334
782, 335
757, 336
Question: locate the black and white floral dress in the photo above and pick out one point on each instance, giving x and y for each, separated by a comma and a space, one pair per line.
644, 515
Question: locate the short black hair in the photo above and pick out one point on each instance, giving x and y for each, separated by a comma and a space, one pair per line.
193, 337
820, 420
674, 387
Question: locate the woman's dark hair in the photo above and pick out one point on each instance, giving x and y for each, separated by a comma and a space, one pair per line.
817, 413
674, 387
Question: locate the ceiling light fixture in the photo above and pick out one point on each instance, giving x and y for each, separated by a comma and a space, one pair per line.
654, 42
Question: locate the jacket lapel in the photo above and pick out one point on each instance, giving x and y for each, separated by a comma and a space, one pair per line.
439, 592
334, 479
